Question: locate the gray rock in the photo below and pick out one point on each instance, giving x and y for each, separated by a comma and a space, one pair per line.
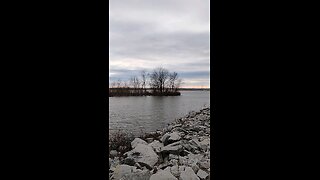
163, 175
195, 167
149, 140
195, 142
113, 153
164, 138
143, 154
137, 141
139, 175
174, 148
122, 170
175, 171
205, 143
183, 161
202, 174
204, 164
174, 137
113, 163
156, 145
182, 168
174, 162
173, 156
194, 158
188, 174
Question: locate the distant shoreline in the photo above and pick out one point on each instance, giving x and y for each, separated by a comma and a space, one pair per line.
194, 89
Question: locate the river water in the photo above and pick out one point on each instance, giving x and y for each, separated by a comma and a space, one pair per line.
149, 113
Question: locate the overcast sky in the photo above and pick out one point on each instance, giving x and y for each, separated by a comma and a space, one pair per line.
174, 34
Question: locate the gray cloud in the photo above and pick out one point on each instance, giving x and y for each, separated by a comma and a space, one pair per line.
145, 34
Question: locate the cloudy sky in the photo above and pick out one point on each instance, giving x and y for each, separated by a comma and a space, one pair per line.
174, 34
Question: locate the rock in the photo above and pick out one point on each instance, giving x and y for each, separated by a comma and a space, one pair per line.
182, 168
205, 144
139, 175
164, 138
195, 167
138, 165
137, 141
204, 164
202, 174
156, 145
187, 137
149, 140
174, 137
173, 162
194, 158
143, 154
195, 142
163, 165
168, 169
113, 163
174, 148
187, 145
163, 175
188, 174
183, 161
113, 153
175, 171
122, 170
173, 156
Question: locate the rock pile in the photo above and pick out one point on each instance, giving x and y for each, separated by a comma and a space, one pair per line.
181, 153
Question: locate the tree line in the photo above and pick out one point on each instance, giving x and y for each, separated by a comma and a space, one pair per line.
159, 82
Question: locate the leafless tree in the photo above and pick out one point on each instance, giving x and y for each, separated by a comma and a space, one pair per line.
158, 79
143, 80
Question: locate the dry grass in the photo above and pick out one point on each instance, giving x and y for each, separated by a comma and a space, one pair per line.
120, 141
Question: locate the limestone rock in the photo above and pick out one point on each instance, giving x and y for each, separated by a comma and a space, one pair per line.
122, 170
143, 154
188, 174
163, 175
137, 141
174, 148
202, 174
139, 175
156, 145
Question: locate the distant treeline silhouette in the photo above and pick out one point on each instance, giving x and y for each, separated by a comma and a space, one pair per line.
160, 82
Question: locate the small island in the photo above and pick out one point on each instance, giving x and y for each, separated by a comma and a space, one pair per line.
160, 82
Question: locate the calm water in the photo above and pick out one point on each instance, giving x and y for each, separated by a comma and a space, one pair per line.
145, 114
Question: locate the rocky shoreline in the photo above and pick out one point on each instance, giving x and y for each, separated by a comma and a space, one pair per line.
180, 151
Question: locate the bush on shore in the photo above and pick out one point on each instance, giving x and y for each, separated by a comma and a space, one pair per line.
120, 141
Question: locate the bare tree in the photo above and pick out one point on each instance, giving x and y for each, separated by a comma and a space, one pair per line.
143, 80
158, 79
135, 82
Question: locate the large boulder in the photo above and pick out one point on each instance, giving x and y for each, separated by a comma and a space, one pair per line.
188, 174
144, 155
137, 141
163, 175
122, 170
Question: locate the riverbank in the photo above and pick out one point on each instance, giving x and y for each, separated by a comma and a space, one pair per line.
180, 151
